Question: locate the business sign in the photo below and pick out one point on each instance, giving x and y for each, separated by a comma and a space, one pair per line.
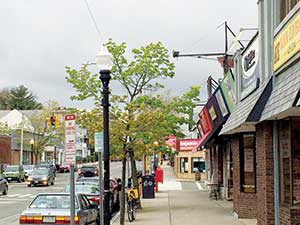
287, 42
228, 89
171, 142
205, 122
250, 69
189, 144
212, 112
70, 138
200, 130
98, 140
221, 103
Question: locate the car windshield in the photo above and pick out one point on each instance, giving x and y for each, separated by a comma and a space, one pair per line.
52, 202
12, 169
40, 172
88, 168
85, 188
28, 167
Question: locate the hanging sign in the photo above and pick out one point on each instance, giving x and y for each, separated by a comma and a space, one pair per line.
70, 138
228, 89
221, 102
250, 69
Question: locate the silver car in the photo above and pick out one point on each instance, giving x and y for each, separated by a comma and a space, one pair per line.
52, 208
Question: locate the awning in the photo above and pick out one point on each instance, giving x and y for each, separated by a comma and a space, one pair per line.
285, 94
247, 113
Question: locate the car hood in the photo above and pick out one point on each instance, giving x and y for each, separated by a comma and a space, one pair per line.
47, 212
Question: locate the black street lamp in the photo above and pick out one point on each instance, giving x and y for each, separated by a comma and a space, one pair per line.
32, 150
104, 60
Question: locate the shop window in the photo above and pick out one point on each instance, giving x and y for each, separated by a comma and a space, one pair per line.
184, 165
247, 163
286, 6
285, 161
198, 165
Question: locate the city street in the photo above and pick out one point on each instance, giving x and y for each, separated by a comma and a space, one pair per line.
19, 195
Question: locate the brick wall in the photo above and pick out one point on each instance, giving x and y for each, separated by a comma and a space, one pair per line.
244, 204
265, 174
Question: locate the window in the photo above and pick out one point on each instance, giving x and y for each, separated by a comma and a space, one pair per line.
247, 163
286, 6
198, 164
184, 165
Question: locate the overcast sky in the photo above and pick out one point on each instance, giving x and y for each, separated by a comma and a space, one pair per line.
38, 38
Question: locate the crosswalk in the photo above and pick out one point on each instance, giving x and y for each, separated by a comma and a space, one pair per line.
14, 198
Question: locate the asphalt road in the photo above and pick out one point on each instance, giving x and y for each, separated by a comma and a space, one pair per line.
19, 195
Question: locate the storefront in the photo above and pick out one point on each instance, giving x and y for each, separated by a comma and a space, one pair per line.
189, 161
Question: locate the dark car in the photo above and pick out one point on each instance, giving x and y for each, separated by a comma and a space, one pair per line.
41, 176
3, 185
88, 171
47, 165
14, 172
114, 190
65, 168
54, 208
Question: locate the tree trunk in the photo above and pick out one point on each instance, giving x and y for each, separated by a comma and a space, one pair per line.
135, 180
122, 208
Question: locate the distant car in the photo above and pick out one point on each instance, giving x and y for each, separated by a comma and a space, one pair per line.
14, 172
52, 208
42, 176
47, 165
91, 190
64, 168
28, 169
3, 186
88, 171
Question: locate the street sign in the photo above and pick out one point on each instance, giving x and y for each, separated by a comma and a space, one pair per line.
98, 138
70, 137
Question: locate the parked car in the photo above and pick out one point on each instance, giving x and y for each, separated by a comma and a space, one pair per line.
114, 189
64, 168
91, 190
3, 186
47, 165
14, 172
28, 169
41, 176
52, 208
88, 171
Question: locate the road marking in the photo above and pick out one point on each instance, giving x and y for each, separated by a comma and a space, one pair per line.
16, 216
27, 195
199, 186
15, 195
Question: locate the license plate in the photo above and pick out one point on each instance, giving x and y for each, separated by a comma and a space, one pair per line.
36, 182
49, 219
9, 178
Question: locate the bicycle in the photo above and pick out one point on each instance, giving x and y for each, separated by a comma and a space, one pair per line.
132, 196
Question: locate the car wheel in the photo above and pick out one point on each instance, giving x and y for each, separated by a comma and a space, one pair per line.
5, 191
19, 180
28, 185
52, 183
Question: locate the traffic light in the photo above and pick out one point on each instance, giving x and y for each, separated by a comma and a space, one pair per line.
53, 121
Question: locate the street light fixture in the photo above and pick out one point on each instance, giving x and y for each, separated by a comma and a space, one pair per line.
105, 61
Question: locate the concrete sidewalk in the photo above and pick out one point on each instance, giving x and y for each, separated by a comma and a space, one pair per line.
175, 205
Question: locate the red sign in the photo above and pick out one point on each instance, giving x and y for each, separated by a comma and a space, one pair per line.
189, 144
171, 142
205, 121
70, 117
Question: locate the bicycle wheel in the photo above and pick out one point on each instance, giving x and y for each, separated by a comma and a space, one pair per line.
130, 210
133, 210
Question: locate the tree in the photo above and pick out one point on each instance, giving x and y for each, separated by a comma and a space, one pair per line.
135, 118
18, 98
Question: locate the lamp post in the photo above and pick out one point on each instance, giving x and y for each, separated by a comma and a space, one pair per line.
31, 144
156, 144
104, 60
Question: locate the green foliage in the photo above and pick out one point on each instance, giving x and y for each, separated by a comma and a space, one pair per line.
19, 98
4, 130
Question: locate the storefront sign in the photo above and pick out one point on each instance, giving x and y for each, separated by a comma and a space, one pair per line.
221, 102
287, 42
189, 144
205, 121
228, 88
171, 142
212, 113
200, 130
250, 69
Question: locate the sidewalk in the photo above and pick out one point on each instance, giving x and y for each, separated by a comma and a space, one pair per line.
183, 206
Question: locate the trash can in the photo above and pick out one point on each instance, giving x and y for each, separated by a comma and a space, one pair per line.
148, 185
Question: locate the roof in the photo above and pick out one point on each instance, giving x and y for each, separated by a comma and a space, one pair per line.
248, 111
284, 94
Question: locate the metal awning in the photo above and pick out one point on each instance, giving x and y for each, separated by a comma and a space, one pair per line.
284, 100
247, 113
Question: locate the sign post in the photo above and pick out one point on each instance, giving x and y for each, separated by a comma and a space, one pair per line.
70, 152
98, 138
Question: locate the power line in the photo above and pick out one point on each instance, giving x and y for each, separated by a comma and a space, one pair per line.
93, 19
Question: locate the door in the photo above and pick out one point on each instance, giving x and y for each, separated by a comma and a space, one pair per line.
92, 212
84, 213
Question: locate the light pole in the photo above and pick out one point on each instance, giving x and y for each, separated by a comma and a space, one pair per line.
31, 144
104, 60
